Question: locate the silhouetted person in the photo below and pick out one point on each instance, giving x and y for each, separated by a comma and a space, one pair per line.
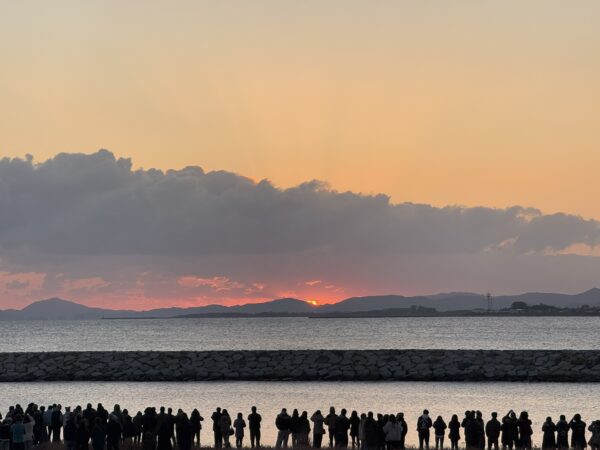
549, 434
381, 420
594, 428
216, 418
454, 432
423, 425
17, 434
226, 430
371, 431
393, 433
330, 420
283, 424
28, 424
163, 431
480, 430
82, 434
342, 425
469, 423
303, 430
70, 434
238, 425
318, 428
254, 420
295, 427
404, 425
439, 428
171, 423
129, 431
185, 435
354, 424
525, 431
492, 431
562, 433
196, 425
98, 434
510, 430
56, 423
113, 433
137, 425
577, 427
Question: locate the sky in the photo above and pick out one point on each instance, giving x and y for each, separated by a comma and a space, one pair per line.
455, 146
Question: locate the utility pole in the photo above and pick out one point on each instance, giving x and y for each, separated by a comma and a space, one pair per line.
489, 301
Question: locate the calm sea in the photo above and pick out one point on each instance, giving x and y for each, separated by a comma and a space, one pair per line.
445, 399
302, 333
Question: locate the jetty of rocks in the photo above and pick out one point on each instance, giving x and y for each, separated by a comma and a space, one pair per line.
305, 365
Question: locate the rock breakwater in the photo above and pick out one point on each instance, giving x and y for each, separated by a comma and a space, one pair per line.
305, 365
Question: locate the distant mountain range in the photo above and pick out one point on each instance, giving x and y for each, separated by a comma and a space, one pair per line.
56, 309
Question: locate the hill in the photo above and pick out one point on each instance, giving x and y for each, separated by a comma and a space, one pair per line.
57, 309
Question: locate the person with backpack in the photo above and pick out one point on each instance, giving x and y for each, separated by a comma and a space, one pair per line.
424, 424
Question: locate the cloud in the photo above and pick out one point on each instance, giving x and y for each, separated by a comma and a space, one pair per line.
216, 283
116, 229
16, 284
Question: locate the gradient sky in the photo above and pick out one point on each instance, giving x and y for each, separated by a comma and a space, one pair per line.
490, 104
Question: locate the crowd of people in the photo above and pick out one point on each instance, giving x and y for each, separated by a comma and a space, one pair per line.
77, 429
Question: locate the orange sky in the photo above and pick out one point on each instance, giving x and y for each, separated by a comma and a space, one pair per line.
442, 103
493, 103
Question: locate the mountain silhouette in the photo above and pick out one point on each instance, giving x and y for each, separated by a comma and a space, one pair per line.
57, 309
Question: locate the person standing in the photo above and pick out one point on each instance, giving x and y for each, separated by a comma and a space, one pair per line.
423, 426
70, 434
404, 425
439, 427
318, 428
594, 428
525, 431
254, 420
28, 423
283, 424
393, 433
577, 432
196, 425
303, 430
17, 434
492, 431
216, 418
354, 425
342, 425
330, 422
56, 423
454, 434
549, 434
98, 434
562, 433
371, 430
238, 425
510, 430
114, 432
226, 431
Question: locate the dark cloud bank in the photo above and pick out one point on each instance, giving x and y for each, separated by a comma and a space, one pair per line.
93, 215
